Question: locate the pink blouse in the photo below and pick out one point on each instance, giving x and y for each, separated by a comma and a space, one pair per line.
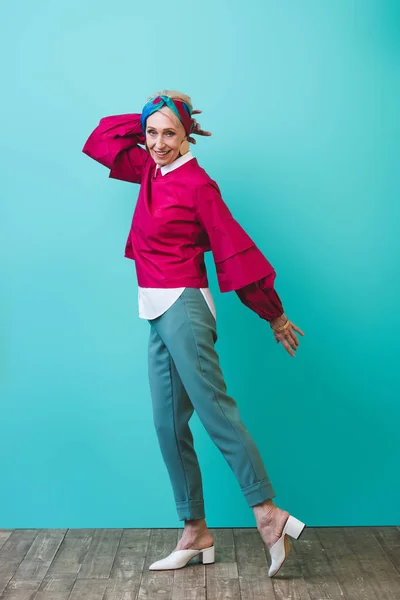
178, 217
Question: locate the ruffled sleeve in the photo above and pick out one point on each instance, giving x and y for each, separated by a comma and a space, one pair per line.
262, 298
237, 259
114, 144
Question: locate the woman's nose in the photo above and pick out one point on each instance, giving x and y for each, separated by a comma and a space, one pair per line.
159, 142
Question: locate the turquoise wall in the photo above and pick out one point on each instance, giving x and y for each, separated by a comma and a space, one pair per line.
303, 102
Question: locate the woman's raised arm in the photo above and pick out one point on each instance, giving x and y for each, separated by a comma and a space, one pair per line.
114, 144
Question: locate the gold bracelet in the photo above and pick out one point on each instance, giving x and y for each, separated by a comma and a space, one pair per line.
283, 326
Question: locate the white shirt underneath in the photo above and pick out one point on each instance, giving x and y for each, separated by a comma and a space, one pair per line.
153, 302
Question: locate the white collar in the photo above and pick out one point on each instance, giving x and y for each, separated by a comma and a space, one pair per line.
178, 162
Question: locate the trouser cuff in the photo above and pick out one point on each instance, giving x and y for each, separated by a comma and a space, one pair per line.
258, 492
193, 509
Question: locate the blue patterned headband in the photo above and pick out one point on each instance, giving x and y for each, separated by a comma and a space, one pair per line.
178, 107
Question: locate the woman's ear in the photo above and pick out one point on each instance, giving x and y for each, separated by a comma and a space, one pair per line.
184, 147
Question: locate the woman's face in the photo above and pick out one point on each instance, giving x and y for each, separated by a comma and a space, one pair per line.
163, 137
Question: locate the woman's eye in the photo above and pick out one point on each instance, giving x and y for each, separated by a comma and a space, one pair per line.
152, 132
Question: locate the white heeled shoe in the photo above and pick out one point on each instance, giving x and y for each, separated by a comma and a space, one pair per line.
280, 549
179, 558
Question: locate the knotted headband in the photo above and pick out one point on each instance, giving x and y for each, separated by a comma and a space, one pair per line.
178, 107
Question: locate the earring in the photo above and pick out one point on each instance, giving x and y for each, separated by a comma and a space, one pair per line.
184, 147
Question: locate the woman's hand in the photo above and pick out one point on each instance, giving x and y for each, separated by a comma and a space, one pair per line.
197, 130
287, 336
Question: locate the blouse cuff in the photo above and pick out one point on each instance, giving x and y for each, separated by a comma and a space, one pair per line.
262, 298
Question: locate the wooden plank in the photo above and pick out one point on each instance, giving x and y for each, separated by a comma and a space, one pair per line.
130, 555
222, 577
374, 562
252, 565
40, 555
156, 583
121, 590
190, 582
88, 589
99, 559
4, 535
389, 539
344, 564
55, 589
319, 577
13, 552
71, 554
20, 590
358, 579
126, 572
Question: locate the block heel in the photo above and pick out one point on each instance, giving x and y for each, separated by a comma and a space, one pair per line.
208, 555
294, 527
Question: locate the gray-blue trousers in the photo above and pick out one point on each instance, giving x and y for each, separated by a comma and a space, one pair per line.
185, 375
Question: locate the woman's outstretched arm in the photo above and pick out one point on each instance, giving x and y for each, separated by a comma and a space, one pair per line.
241, 266
114, 144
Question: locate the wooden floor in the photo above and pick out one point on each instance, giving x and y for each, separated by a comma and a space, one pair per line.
343, 563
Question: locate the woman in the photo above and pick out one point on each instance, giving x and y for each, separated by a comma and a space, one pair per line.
179, 215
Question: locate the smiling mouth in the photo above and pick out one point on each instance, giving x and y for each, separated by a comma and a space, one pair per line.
161, 153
